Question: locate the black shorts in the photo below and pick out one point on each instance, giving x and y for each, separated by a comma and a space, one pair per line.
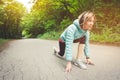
62, 44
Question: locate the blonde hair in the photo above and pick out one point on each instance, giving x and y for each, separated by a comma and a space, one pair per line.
84, 16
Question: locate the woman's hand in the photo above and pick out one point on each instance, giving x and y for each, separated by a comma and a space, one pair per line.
88, 61
68, 67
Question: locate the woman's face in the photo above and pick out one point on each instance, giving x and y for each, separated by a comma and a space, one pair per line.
88, 24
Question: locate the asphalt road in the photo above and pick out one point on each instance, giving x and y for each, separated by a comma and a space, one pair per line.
33, 59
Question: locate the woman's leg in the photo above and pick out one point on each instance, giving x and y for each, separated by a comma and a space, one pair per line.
80, 51
61, 48
81, 46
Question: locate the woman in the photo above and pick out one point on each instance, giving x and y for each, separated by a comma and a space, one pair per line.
78, 31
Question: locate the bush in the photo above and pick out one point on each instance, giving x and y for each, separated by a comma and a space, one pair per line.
50, 35
65, 23
106, 35
2, 41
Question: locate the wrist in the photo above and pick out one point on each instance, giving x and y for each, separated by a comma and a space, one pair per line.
69, 62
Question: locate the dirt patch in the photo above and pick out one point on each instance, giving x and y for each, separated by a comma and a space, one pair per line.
5, 45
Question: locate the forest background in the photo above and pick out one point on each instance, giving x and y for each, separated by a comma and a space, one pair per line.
48, 18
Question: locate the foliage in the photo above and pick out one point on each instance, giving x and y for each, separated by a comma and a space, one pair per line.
26, 34
48, 18
49, 15
50, 35
65, 23
10, 17
2, 41
107, 36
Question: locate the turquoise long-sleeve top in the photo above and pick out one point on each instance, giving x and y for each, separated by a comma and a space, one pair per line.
72, 32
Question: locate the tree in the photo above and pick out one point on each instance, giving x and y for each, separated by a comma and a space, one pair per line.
11, 14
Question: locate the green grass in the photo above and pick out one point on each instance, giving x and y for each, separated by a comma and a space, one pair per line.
50, 35
102, 38
2, 41
106, 36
